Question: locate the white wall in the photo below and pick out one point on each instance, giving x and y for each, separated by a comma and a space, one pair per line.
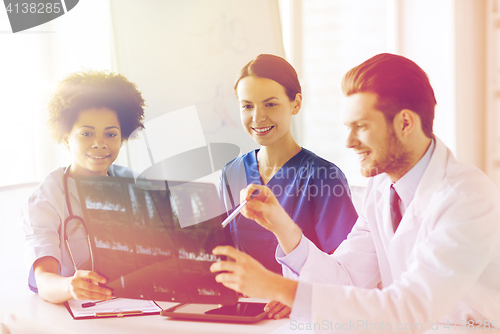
470, 85
336, 36
447, 39
185, 53
427, 36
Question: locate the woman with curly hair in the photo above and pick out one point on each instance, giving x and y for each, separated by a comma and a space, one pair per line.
91, 113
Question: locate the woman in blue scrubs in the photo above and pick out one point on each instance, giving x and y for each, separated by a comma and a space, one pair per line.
312, 190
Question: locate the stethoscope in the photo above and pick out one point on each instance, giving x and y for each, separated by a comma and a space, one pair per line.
73, 217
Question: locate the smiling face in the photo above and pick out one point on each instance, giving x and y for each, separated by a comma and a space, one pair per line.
266, 110
373, 139
94, 141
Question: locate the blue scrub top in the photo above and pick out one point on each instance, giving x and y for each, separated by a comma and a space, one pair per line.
312, 190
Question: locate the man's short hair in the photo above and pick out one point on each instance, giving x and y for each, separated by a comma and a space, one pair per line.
399, 84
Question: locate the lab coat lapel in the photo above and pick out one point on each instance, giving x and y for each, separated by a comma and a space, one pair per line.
432, 178
417, 213
399, 246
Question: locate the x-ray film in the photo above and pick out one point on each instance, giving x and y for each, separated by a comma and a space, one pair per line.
154, 239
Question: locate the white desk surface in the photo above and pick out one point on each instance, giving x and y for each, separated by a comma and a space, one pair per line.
28, 313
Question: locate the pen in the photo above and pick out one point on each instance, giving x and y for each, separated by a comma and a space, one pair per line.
117, 314
90, 304
238, 208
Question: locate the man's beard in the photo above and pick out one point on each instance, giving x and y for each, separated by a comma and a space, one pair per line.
392, 159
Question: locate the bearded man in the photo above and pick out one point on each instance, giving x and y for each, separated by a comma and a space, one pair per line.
425, 249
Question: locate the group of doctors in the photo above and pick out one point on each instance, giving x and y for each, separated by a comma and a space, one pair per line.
425, 247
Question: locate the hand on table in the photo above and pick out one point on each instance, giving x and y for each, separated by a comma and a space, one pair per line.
84, 284
277, 310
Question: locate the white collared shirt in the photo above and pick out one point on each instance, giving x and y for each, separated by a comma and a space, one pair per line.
407, 185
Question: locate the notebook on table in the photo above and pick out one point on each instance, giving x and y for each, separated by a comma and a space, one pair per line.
114, 308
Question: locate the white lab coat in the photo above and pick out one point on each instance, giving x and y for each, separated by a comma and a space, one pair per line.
442, 264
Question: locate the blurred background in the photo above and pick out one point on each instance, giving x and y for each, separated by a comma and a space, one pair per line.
185, 53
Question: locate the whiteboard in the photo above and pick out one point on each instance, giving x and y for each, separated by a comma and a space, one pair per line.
184, 53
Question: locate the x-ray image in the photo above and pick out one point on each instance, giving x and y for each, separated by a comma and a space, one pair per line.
154, 239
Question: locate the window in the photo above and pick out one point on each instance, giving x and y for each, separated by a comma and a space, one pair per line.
336, 36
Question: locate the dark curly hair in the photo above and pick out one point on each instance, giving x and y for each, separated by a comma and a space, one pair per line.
95, 89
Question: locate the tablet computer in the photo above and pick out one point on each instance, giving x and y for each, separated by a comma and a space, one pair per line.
242, 312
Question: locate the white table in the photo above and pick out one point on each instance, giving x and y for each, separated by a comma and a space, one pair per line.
28, 313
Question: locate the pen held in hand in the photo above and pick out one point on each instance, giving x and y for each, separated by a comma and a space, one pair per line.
238, 209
